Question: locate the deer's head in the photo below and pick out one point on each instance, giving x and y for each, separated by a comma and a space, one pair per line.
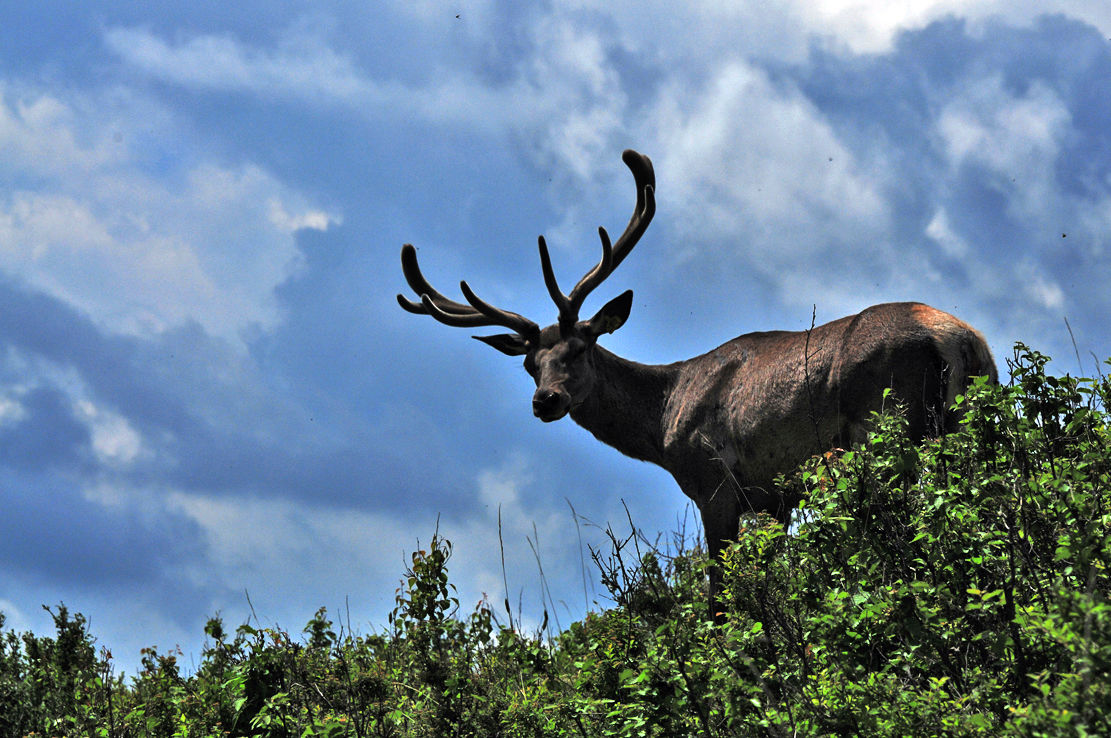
560, 357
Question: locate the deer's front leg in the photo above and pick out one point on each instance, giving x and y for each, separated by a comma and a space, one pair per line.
721, 514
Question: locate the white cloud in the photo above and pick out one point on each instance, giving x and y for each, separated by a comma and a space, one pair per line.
313, 220
566, 89
871, 26
699, 34
577, 97
14, 618
1042, 290
941, 231
280, 549
754, 162
41, 132
88, 220
115, 442
693, 33
307, 69
1017, 136
11, 411
302, 70
750, 164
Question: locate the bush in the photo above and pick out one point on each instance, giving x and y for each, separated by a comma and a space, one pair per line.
958, 587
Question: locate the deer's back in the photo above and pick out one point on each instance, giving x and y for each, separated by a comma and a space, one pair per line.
762, 402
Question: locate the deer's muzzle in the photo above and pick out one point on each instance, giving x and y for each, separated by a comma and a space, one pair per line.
549, 404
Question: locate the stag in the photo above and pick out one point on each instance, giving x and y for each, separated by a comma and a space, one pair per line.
724, 424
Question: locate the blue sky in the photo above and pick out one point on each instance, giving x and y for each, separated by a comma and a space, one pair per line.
207, 388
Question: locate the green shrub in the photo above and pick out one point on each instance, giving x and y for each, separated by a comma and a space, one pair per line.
958, 587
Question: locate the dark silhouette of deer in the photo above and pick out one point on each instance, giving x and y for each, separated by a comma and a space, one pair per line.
725, 423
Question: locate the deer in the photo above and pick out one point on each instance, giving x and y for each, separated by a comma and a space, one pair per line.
727, 423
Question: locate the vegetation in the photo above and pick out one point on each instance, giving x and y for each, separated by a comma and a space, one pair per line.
959, 587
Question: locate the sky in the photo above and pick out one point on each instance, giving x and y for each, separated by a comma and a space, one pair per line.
210, 401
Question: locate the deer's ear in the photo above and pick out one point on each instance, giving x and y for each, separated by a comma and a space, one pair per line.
510, 344
612, 315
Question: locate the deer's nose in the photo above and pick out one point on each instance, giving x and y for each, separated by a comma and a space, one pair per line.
548, 404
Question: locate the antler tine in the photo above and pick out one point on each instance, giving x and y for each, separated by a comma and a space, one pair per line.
458, 320
497, 316
421, 286
645, 178
595, 276
550, 282
450, 312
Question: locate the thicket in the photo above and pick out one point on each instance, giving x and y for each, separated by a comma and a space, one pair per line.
959, 587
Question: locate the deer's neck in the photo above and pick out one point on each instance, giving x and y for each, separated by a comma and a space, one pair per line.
625, 408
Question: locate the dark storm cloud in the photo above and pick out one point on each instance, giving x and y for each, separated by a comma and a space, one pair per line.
47, 328
211, 423
51, 530
46, 436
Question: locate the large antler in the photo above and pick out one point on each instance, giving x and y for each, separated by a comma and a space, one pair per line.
450, 312
481, 313
612, 254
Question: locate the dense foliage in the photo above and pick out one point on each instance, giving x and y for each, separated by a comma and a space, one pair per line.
958, 587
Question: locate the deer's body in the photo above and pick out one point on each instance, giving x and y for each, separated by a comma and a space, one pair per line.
725, 423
